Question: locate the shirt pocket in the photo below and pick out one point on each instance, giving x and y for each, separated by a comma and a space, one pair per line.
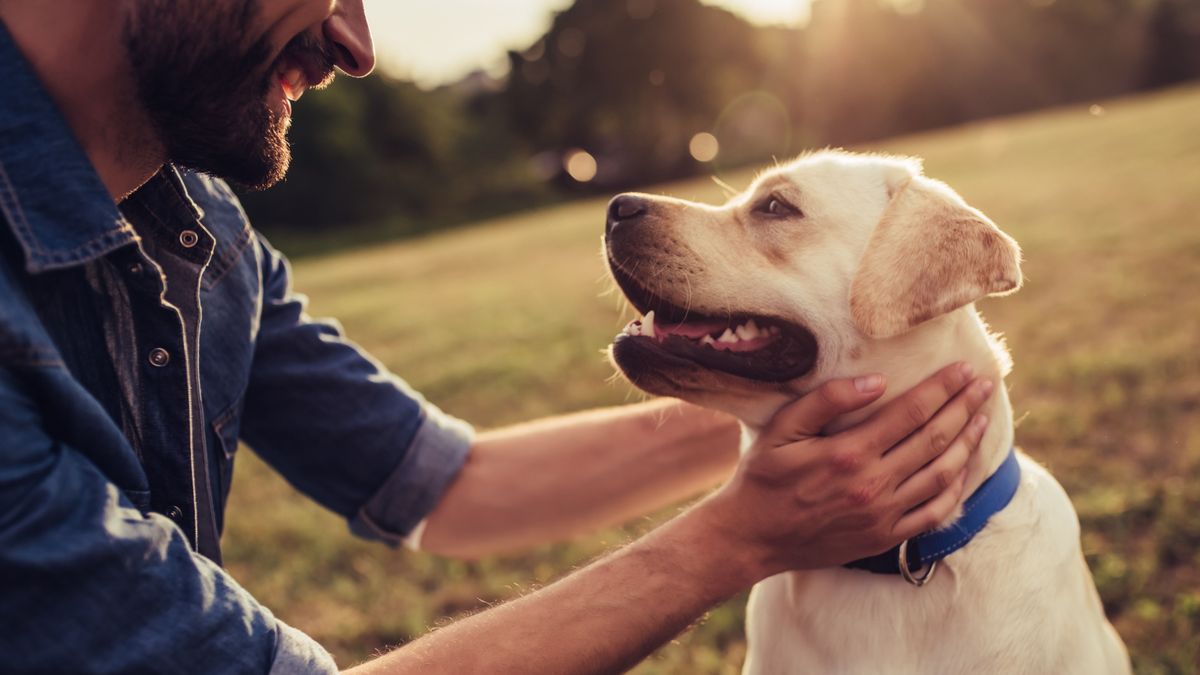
225, 430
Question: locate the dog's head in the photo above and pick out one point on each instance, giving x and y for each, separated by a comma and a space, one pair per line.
749, 304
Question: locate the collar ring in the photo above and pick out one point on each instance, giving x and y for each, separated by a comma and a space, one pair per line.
909, 576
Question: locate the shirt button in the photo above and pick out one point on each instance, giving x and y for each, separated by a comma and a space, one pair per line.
159, 357
189, 238
175, 513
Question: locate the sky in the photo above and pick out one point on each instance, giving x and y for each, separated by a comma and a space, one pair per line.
439, 41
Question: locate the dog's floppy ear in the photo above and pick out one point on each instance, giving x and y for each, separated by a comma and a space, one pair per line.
930, 254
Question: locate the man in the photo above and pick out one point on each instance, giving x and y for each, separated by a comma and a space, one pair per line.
145, 328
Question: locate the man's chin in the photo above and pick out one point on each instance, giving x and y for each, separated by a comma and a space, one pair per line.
265, 165
272, 169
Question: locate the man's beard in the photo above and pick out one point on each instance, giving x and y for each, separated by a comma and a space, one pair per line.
206, 93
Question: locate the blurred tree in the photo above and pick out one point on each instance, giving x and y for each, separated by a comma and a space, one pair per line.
1174, 43
633, 81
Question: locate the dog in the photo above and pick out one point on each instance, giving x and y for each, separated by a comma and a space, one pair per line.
834, 265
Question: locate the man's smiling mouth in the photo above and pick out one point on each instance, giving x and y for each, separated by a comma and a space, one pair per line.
305, 64
293, 82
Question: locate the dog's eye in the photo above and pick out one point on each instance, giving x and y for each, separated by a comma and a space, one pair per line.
776, 207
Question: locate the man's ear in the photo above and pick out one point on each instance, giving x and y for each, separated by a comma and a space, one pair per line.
930, 254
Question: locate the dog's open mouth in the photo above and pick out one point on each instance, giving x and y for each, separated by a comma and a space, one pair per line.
751, 346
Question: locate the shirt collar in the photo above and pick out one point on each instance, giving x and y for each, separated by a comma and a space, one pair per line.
50, 194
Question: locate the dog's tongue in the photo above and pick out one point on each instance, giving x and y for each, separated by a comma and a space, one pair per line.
694, 330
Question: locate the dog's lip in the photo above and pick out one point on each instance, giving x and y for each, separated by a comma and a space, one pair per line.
645, 301
668, 313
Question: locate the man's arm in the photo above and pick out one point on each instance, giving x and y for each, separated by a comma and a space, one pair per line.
552, 479
797, 501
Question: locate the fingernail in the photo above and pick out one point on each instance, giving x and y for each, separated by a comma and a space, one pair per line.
962, 476
868, 383
986, 387
980, 423
966, 370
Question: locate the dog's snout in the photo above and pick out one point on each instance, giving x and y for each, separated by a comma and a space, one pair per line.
625, 208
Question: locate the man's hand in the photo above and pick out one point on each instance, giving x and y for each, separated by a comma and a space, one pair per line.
800, 500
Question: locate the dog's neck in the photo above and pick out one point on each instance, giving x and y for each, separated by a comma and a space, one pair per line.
908, 359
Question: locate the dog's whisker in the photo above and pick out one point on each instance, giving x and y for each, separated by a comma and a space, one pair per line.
730, 191
687, 307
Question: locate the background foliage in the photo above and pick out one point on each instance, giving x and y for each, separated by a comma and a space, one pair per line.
504, 320
631, 82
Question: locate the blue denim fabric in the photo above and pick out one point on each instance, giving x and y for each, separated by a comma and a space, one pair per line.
138, 344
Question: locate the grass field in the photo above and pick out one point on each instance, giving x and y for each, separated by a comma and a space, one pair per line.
505, 321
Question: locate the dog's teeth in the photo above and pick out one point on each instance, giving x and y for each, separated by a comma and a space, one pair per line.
753, 328
748, 331
708, 341
774, 330
728, 337
648, 325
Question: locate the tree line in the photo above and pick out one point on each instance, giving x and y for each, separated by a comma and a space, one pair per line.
650, 90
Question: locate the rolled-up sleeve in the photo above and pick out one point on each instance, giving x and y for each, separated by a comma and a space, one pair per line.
296, 652
91, 585
340, 427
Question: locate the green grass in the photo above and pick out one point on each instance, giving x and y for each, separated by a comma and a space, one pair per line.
505, 321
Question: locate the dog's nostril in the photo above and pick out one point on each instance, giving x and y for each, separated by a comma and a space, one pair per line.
628, 208
625, 207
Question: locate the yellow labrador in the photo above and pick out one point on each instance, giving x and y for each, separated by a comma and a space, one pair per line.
833, 266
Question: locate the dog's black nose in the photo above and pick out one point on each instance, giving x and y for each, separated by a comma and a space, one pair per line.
624, 208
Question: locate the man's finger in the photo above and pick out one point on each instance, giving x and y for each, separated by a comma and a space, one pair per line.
940, 474
807, 416
934, 438
899, 418
932, 513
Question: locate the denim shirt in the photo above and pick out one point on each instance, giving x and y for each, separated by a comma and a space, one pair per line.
138, 344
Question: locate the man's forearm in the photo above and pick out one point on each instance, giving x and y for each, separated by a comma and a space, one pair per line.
602, 619
560, 477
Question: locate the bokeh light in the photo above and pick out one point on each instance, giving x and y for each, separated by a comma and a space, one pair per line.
704, 147
581, 165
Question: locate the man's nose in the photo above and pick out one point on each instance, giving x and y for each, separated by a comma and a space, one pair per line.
625, 208
347, 29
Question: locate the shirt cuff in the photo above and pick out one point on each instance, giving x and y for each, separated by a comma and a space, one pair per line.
413, 490
298, 654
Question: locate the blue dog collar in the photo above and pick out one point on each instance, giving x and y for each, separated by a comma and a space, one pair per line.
927, 549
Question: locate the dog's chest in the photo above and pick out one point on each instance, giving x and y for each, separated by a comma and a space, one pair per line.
843, 621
